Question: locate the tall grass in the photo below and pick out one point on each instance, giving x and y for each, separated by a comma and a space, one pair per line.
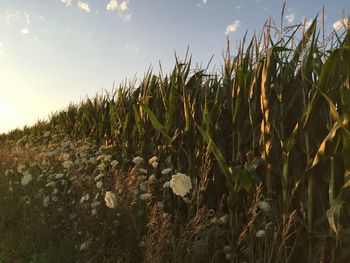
275, 119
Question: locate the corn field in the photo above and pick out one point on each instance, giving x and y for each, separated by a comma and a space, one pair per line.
265, 143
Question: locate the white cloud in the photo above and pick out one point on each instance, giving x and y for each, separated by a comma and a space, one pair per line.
233, 27
67, 2
290, 18
124, 6
25, 31
340, 24
205, 1
84, 6
112, 5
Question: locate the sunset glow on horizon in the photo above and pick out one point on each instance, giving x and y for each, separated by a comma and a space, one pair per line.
59, 51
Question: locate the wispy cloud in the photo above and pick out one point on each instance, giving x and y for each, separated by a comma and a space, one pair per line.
233, 27
122, 8
84, 6
341, 23
112, 5
290, 17
67, 2
25, 31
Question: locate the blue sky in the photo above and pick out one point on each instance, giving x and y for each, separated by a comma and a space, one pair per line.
53, 52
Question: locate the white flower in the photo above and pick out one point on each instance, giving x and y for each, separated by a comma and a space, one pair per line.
260, 233
27, 177
46, 201
166, 184
145, 196
101, 167
110, 199
153, 161
21, 168
67, 164
55, 191
99, 184
65, 156
100, 157
155, 164
94, 211
138, 160
83, 246
58, 176
114, 163
142, 170
46, 134
265, 206
222, 220
108, 158
152, 178
97, 178
166, 171
180, 184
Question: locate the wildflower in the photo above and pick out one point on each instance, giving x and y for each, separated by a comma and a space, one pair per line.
180, 184
186, 200
97, 178
99, 184
101, 167
166, 171
142, 170
46, 134
153, 161
65, 156
265, 206
21, 168
138, 160
166, 185
82, 246
27, 177
145, 196
67, 164
114, 163
46, 201
52, 184
222, 220
94, 211
110, 199
152, 178
108, 158
260, 233
55, 191
100, 157
58, 176
227, 249
143, 187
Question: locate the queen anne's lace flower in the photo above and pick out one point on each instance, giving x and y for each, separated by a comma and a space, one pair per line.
166, 171
265, 206
27, 177
110, 199
260, 233
138, 160
180, 184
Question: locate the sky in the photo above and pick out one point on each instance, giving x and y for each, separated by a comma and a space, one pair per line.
53, 52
